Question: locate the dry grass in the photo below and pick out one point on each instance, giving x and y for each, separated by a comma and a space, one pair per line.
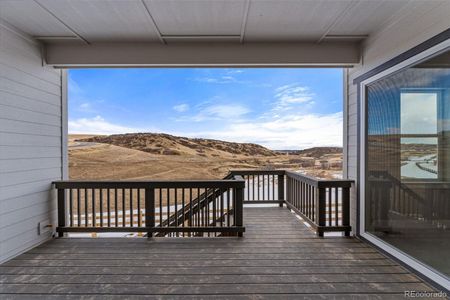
98, 161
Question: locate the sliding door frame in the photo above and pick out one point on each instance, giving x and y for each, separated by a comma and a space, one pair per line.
408, 260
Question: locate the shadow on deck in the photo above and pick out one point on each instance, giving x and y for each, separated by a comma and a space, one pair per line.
278, 258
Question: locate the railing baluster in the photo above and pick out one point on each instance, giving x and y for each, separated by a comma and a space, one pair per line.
263, 189
131, 207
116, 212
228, 207
149, 211
160, 207
168, 206
108, 203
336, 206
70, 207
214, 208
101, 207
257, 177
183, 209
221, 207
253, 187
94, 220
176, 207
124, 216
328, 209
78, 208
85, 207
190, 207
139, 207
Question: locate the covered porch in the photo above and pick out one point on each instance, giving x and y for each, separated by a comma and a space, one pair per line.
205, 239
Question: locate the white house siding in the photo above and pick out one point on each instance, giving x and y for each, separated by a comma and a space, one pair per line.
30, 142
418, 23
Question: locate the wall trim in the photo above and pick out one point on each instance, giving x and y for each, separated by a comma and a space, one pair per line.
437, 39
345, 124
64, 127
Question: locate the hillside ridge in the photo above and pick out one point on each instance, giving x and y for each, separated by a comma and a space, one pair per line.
166, 144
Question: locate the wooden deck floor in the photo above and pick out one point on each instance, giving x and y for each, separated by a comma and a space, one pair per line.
278, 258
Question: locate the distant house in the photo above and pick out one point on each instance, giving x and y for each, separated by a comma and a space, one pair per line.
324, 164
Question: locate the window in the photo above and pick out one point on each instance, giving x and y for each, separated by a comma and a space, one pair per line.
418, 134
407, 163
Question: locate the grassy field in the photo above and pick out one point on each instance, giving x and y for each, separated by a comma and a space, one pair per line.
164, 157
156, 156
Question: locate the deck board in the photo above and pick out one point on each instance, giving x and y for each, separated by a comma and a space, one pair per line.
278, 258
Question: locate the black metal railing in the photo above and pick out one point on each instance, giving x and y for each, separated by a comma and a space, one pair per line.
323, 204
213, 207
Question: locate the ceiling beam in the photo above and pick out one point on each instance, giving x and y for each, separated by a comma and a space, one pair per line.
202, 54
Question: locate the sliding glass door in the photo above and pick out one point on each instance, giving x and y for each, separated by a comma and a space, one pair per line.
407, 162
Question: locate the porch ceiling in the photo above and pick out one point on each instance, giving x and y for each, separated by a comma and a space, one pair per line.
305, 23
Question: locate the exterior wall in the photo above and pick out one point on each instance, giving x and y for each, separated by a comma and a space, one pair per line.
409, 28
30, 142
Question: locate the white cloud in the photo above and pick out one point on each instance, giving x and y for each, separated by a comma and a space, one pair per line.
86, 107
219, 79
226, 111
99, 125
229, 112
288, 95
285, 132
181, 107
234, 71
418, 113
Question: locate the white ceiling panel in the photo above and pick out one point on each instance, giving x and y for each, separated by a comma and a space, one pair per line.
177, 21
197, 17
365, 17
31, 18
105, 20
292, 20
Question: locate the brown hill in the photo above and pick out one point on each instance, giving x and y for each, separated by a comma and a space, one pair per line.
316, 152
165, 144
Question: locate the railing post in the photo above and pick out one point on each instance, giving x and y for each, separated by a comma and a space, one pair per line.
281, 189
149, 210
320, 210
346, 208
61, 210
238, 210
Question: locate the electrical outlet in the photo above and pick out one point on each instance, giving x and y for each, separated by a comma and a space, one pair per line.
44, 226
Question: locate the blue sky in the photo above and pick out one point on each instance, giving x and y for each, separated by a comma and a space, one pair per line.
278, 108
